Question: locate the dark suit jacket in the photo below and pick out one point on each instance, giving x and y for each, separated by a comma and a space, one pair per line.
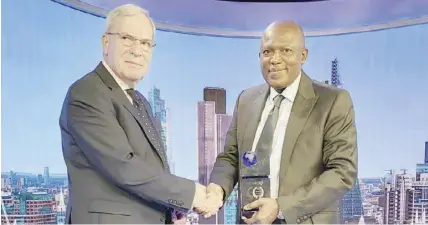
319, 157
115, 172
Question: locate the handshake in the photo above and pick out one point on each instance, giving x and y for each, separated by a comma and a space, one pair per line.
208, 200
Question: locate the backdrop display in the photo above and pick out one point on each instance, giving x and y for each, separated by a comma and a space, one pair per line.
46, 47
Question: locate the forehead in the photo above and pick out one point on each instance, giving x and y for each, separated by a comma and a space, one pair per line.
281, 38
138, 26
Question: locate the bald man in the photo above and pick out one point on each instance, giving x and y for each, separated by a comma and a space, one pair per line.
312, 147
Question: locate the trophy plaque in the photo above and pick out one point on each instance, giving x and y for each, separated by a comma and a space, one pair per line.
254, 182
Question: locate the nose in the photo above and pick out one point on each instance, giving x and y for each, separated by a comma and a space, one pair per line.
276, 59
136, 51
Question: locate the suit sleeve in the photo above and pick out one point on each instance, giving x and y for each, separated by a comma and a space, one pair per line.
340, 160
225, 171
92, 122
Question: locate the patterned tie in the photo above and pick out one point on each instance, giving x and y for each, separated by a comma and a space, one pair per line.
264, 146
143, 107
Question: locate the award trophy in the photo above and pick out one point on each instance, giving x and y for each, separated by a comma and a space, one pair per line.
255, 182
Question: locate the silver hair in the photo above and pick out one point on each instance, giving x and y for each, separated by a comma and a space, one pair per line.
124, 11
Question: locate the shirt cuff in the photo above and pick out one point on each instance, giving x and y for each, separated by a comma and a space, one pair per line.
281, 215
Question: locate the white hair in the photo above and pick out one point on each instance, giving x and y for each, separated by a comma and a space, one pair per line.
124, 11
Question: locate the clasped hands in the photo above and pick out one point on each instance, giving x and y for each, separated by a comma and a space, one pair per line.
208, 200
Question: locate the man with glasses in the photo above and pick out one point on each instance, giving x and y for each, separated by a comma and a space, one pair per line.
117, 165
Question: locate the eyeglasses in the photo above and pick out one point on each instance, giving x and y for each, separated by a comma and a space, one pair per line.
130, 41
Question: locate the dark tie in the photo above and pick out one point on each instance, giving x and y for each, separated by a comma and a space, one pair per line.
143, 107
264, 146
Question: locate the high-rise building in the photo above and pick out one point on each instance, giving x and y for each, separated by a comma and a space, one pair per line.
426, 152
168, 141
397, 192
46, 177
217, 95
335, 77
207, 140
213, 124
351, 205
161, 112
223, 122
231, 207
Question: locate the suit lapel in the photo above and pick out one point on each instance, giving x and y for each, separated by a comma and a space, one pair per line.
119, 95
302, 107
252, 118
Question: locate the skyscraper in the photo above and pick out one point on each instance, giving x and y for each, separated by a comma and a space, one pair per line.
207, 140
213, 124
161, 112
335, 76
351, 205
231, 207
46, 175
426, 152
217, 95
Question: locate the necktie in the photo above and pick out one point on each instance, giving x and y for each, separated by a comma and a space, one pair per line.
143, 107
264, 146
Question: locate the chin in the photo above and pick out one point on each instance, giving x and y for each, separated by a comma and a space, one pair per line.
277, 84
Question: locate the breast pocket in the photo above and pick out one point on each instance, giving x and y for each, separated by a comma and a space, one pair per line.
108, 212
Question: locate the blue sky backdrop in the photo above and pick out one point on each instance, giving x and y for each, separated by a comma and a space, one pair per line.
46, 47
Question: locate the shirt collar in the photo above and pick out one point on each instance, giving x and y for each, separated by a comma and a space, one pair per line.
290, 92
124, 86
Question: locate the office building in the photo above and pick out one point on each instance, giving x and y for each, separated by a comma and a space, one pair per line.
161, 114
217, 95
213, 124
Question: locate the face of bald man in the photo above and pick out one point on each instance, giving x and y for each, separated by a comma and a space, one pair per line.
282, 55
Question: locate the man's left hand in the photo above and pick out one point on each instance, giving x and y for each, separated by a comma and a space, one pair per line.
180, 221
179, 217
267, 213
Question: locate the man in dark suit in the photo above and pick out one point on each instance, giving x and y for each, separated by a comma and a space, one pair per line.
117, 166
309, 132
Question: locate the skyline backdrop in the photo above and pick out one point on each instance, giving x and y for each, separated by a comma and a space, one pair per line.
44, 53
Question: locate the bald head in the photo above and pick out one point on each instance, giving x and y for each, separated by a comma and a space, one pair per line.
282, 53
279, 28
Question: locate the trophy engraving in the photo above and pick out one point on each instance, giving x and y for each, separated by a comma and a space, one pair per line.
254, 182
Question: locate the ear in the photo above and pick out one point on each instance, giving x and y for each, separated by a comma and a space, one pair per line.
304, 55
105, 43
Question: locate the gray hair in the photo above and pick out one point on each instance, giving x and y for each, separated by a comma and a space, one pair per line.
124, 11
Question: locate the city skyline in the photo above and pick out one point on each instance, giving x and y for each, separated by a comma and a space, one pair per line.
389, 112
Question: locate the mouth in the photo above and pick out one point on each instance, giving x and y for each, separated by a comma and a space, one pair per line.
133, 63
275, 70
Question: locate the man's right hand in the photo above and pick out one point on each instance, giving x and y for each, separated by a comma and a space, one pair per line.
200, 199
208, 200
215, 195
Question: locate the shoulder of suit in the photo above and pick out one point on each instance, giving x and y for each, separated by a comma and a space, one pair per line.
323, 89
254, 91
88, 86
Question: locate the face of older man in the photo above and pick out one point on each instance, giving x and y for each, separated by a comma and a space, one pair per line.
127, 47
282, 54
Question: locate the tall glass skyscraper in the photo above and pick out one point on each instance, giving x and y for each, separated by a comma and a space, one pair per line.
351, 205
231, 207
161, 112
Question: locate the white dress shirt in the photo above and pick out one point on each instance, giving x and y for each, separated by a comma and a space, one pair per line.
119, 81
279, 134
